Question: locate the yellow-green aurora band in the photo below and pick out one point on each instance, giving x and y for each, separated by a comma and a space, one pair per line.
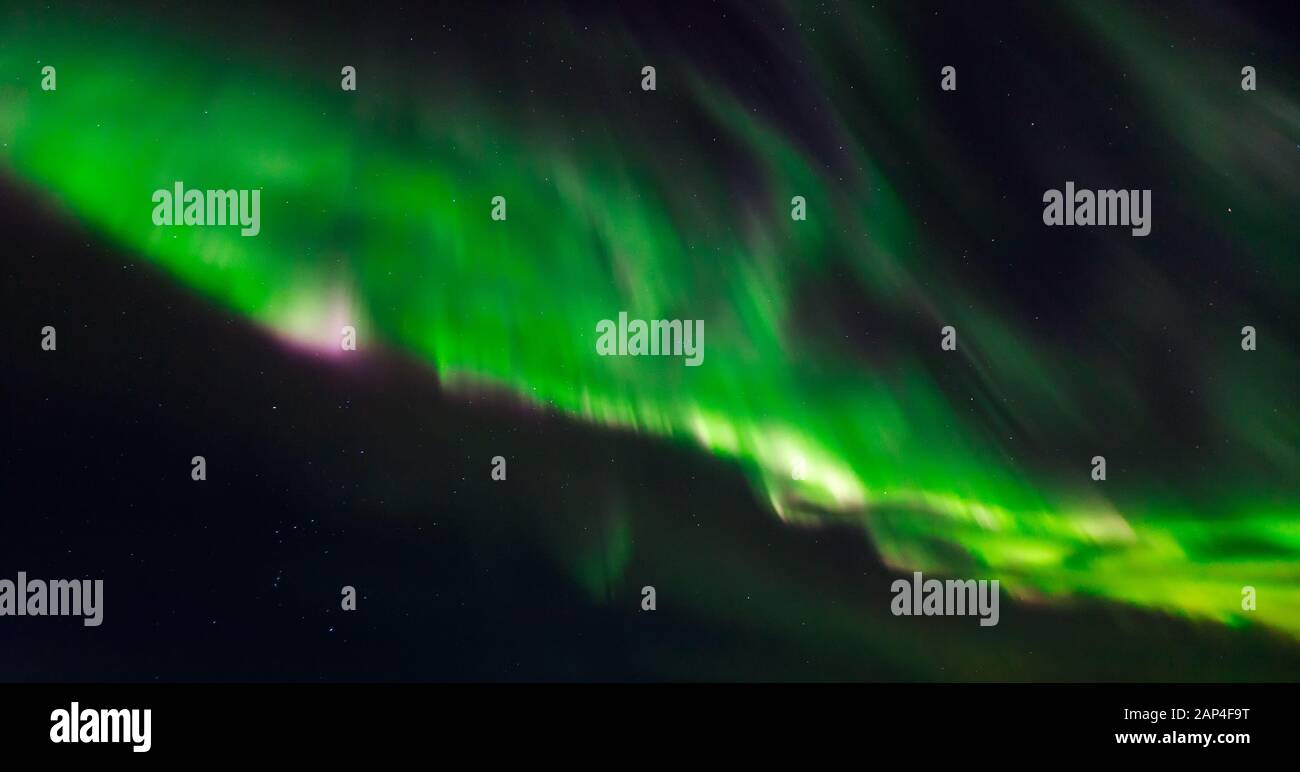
375, 212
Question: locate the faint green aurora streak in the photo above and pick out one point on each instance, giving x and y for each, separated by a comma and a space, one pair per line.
375, 213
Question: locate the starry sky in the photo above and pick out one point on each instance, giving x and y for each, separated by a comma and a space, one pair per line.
476, 338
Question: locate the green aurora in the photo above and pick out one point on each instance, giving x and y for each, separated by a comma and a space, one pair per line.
375, 212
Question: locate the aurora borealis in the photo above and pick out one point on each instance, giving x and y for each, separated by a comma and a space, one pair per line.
822, 335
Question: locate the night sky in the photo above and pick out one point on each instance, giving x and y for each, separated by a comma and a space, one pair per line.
476, 338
